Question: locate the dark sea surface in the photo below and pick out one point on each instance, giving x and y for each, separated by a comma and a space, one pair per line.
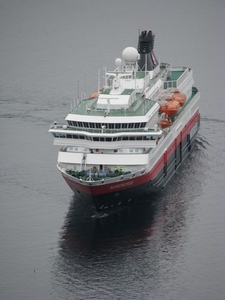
170, 246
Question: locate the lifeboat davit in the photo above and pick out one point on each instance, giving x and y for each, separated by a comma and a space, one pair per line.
179, 97
170, 107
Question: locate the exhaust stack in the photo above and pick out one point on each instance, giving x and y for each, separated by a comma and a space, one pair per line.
147, 61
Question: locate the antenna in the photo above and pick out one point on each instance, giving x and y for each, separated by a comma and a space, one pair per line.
105, 69
98, 81
78, 93
85, 85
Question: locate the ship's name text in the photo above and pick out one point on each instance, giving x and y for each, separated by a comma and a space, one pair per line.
117, 186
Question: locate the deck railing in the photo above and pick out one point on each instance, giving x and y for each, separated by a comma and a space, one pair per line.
176, 83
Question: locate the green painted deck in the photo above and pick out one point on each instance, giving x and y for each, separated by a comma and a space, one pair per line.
176, 74
138, 108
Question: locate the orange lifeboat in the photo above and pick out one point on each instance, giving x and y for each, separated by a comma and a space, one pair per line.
170, 107
95, 94
179, 97
165, 123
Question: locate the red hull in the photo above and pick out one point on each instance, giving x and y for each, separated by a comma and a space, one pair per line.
103, 189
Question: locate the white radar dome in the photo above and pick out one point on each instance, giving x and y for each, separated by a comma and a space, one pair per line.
130, 54
118, 62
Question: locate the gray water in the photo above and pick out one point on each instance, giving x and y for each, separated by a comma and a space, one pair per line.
168, 247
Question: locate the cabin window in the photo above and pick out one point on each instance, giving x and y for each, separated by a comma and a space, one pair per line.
111, 126
139, 138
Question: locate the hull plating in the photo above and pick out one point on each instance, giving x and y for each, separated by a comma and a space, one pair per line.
110, 196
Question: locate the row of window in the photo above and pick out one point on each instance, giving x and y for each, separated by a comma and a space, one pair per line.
108, 126
75, 149
104, 139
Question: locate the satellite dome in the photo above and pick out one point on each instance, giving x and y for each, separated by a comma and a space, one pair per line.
118, 62
130, 54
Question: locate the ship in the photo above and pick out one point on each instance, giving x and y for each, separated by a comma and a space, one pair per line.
129, 137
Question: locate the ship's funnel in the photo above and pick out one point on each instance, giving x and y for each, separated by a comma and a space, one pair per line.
147, 61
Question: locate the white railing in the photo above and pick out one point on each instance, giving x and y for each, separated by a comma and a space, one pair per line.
182, 77
178, 82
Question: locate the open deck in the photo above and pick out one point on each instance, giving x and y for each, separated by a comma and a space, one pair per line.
139, 107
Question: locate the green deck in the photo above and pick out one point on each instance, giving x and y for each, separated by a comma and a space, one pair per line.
138, 108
